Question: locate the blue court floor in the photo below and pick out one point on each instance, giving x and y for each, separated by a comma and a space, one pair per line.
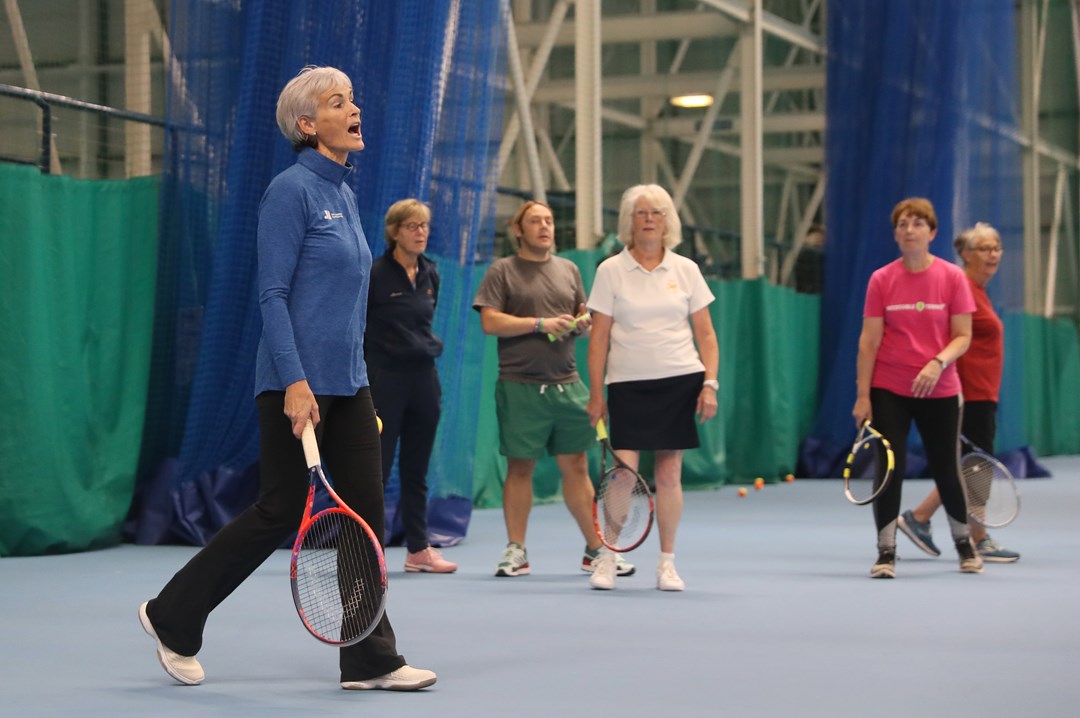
779, 619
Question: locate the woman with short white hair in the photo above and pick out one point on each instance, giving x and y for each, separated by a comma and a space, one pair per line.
649, 307
313, 271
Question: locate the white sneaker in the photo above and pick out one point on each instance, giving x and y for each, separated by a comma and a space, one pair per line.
667, 578
603, 575
183, 668
405, 678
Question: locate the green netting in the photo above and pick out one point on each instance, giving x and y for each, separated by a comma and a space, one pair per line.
77, 259
768, 392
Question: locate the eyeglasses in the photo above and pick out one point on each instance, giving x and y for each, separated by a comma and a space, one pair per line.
654, 213
413, 226
988, 249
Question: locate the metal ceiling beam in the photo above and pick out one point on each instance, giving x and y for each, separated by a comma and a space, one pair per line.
640, 28
806, 77
772, 24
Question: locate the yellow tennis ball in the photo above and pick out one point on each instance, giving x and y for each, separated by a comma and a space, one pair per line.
759, 483
742, 491
378, 423
789, 478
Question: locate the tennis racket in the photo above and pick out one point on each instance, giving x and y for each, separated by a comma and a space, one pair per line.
623, 506
338, 572
869, 466
572, 327
992, 495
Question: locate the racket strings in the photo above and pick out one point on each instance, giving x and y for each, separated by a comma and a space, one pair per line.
991, 492
339, 579
623, 508
866, 469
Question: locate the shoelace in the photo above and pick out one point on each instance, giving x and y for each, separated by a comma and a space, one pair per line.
667, 572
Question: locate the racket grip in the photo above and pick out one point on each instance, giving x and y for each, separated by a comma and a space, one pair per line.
311, 447
601, 430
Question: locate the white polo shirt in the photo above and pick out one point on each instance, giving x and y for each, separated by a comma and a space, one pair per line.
651, 336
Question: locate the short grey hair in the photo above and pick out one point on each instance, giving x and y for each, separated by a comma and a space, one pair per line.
659, 198
300, 98
967, 238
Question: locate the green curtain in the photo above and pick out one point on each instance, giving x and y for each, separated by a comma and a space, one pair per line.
768, 392
77, 259
1040, 389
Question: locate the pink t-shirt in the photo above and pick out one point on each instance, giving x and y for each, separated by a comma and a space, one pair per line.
916, 307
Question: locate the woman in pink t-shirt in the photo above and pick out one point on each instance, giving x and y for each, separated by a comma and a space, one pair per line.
979, 248
916, 323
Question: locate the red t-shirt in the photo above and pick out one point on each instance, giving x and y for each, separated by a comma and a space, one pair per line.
981, 366
917, 308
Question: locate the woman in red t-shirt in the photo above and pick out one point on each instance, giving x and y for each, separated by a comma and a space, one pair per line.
980, 374
916, 323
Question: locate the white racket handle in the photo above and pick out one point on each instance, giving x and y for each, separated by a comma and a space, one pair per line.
311, 447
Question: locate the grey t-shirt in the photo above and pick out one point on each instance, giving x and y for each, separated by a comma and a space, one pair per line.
522, 288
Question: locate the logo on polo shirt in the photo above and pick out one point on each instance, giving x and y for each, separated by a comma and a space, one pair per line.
327, 214
916, 307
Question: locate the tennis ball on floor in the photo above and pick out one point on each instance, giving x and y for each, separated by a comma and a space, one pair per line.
789, 478
378, 423
759, 483
742, 491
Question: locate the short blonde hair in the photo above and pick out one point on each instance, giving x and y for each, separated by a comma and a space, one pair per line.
966, 239
659, 198
300, 98
399, 212
918, 207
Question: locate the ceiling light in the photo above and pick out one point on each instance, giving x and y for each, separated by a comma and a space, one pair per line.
692, 100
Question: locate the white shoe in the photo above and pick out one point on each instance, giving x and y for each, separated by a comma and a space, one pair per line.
603, 575
183, 668
405, 678
667, 578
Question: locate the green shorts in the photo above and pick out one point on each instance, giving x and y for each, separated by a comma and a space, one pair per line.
538, 417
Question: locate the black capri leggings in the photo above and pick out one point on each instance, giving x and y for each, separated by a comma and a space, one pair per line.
938, 422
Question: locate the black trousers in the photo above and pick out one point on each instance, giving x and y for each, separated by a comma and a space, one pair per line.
980, 424
350, 451
938, 422
408, 399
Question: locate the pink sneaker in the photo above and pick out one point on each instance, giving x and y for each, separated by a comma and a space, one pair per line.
428, 561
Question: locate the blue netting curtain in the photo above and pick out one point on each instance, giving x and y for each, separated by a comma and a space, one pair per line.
921, 101
428, 76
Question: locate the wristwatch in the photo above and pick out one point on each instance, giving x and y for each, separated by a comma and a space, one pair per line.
712, 384
941, 361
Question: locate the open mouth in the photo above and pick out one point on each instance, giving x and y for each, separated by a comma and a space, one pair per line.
354, 129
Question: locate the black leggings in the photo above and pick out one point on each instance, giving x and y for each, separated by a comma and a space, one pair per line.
980, 424
349, 444
938, 422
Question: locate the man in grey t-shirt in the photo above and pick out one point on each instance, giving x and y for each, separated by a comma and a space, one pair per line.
539, 398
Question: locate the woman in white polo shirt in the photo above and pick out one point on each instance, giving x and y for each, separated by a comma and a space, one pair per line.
649, 305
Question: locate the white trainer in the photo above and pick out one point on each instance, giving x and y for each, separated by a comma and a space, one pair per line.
604, 568
667, 578
405, 678
185, 669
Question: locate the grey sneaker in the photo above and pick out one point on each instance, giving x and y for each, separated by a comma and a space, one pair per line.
970, 561
405, 678
885, 566
622, 566
185, 669
515, 561
603, 575
991, 551
918, 532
